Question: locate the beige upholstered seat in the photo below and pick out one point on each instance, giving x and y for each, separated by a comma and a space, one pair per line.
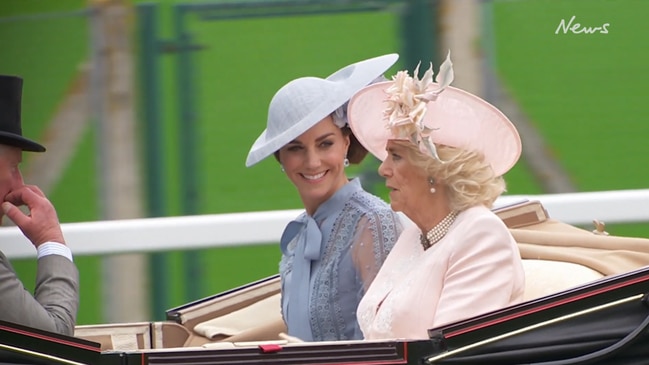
545, 277
235, 323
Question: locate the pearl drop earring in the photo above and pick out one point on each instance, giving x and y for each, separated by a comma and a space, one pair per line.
431, 181
282, 168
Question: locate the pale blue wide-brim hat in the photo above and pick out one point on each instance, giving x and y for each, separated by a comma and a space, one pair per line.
303, 102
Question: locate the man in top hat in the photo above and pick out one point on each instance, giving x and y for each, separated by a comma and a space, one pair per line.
53, 307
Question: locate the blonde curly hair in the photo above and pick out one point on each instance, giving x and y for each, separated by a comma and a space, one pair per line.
469, 180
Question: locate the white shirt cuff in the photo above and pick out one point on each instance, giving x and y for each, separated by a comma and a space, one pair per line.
54, 248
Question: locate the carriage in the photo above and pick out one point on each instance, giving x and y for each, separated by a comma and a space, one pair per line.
586, 301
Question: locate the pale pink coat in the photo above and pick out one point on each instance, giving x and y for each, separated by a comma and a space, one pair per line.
476, 268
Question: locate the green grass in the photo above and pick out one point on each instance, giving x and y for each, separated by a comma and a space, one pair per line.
584, 92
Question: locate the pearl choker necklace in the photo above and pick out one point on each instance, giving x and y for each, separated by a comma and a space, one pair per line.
438, 232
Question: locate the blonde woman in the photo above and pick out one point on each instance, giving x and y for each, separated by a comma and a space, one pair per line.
444, 152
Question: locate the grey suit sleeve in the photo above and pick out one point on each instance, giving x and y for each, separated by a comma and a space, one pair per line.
55, 302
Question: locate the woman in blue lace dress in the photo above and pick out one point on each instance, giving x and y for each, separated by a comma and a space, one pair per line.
332, 251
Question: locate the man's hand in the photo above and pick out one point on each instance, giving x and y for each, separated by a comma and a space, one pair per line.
42, 224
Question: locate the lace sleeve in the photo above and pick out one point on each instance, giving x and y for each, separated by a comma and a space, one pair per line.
285, 270
375, 236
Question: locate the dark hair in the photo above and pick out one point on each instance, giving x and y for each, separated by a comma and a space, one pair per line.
356, 152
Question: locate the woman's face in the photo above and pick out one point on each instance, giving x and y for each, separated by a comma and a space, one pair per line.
314, 162
407, 184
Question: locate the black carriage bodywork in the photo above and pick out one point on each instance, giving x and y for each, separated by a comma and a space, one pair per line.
604, 322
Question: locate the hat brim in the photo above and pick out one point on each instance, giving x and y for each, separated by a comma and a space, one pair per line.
343, 84
459, 119
21, 142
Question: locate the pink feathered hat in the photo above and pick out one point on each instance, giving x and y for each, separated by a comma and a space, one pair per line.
429, 113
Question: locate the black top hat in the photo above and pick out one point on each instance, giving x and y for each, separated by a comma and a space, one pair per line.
11, 133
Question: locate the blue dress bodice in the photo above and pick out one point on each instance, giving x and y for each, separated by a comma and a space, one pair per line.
329, 259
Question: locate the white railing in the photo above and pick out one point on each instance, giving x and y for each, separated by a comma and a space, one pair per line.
236, 229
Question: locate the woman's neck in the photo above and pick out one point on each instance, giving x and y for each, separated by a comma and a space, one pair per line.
426, 222
430, 212
312, 204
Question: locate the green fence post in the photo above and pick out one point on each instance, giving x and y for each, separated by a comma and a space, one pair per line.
188, 146
419, 34
154, 149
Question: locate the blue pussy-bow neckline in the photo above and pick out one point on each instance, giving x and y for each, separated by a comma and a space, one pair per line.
307, 251
312, 240
309, 225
